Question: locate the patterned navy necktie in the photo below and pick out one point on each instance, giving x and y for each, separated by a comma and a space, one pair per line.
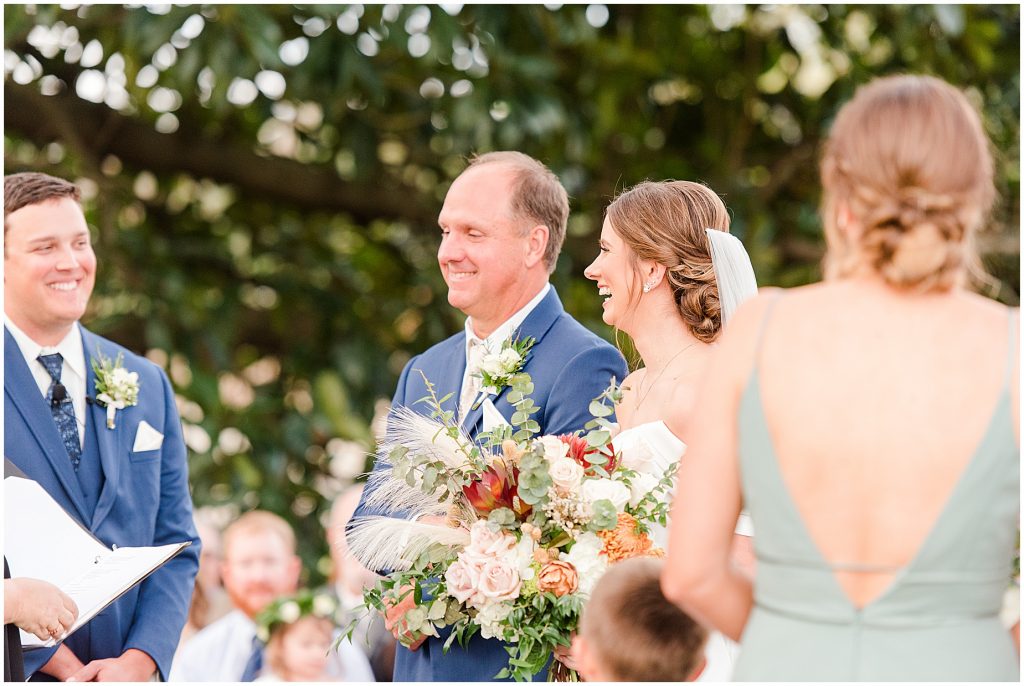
63, 416
255, 663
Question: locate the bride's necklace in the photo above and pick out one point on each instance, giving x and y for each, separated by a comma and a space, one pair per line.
643, 396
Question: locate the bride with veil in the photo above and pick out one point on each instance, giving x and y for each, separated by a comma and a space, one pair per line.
671, 275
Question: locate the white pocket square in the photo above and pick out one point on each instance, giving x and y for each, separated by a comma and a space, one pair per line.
147, 438
492, 418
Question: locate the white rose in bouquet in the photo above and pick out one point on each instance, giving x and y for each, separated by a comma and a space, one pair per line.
606, 489
586, 557
566, 473
554, 448
639, 486
524, 558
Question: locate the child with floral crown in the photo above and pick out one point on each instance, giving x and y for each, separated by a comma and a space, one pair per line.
298, 631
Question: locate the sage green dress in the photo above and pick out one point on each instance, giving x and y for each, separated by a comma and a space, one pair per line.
939, 618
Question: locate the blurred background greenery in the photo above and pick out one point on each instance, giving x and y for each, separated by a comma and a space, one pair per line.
264, 180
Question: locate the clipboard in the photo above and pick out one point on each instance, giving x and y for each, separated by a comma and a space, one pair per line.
49, 544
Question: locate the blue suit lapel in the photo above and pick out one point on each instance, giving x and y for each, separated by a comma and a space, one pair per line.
450, 377
108, 440
22, 392
535, 326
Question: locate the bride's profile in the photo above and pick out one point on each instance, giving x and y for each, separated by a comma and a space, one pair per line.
670, 274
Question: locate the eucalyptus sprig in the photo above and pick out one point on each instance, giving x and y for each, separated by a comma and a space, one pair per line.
600, 429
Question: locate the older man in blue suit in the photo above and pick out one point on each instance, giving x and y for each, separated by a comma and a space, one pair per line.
119, 468
502, 227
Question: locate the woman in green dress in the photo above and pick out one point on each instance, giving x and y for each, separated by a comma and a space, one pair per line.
868, 423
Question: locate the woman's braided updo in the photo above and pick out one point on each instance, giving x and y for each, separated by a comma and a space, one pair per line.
909, 160
664, 222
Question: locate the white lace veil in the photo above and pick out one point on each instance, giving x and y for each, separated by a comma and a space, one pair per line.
733, 271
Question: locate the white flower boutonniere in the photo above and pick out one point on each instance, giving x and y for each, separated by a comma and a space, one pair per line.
496, 369
116, 387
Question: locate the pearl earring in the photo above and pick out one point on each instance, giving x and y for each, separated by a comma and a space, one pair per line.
648, 287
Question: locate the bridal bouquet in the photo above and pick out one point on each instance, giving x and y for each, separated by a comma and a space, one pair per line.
531, 523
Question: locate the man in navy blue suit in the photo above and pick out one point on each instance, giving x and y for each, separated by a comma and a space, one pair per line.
502, 227
119, 468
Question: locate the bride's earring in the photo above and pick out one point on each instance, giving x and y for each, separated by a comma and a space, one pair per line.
648, 287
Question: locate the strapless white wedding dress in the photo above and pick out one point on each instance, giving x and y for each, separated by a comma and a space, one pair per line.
651, 448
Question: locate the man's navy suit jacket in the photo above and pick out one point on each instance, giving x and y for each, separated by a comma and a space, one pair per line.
569, 367
144, 500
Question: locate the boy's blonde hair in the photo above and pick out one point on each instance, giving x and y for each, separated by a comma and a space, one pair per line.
635, 632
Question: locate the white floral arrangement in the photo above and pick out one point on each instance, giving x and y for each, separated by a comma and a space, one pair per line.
116, 387
532, 524
496, 369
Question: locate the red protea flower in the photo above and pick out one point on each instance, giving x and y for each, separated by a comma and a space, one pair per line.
496, 488
580, 451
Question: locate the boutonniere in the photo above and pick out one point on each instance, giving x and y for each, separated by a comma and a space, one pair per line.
116, 387
496, 369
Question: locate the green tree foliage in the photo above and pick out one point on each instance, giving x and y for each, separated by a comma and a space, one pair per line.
264, 180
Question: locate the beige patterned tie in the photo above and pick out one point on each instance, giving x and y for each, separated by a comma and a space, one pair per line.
472, 386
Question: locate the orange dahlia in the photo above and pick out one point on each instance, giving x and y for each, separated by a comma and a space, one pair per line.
625, 541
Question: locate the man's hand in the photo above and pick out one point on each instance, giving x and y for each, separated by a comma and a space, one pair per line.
394, 620
38, 607
133, 665
62, 664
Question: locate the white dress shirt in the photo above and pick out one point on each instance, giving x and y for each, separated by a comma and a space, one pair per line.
72, 374
221, 650
492, 343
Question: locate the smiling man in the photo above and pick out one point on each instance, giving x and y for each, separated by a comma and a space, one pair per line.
260, 565
502, 227
124, 480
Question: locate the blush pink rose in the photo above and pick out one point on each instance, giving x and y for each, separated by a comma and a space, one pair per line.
488, 543
500, 580
463, 578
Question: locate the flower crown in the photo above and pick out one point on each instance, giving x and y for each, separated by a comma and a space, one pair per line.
289, 609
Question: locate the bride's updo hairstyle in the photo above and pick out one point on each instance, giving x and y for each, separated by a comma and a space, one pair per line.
665, 222
909, 159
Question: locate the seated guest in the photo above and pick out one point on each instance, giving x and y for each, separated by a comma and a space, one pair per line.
630, 632
259, 565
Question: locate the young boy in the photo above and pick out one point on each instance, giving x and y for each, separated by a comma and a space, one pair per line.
630, 632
